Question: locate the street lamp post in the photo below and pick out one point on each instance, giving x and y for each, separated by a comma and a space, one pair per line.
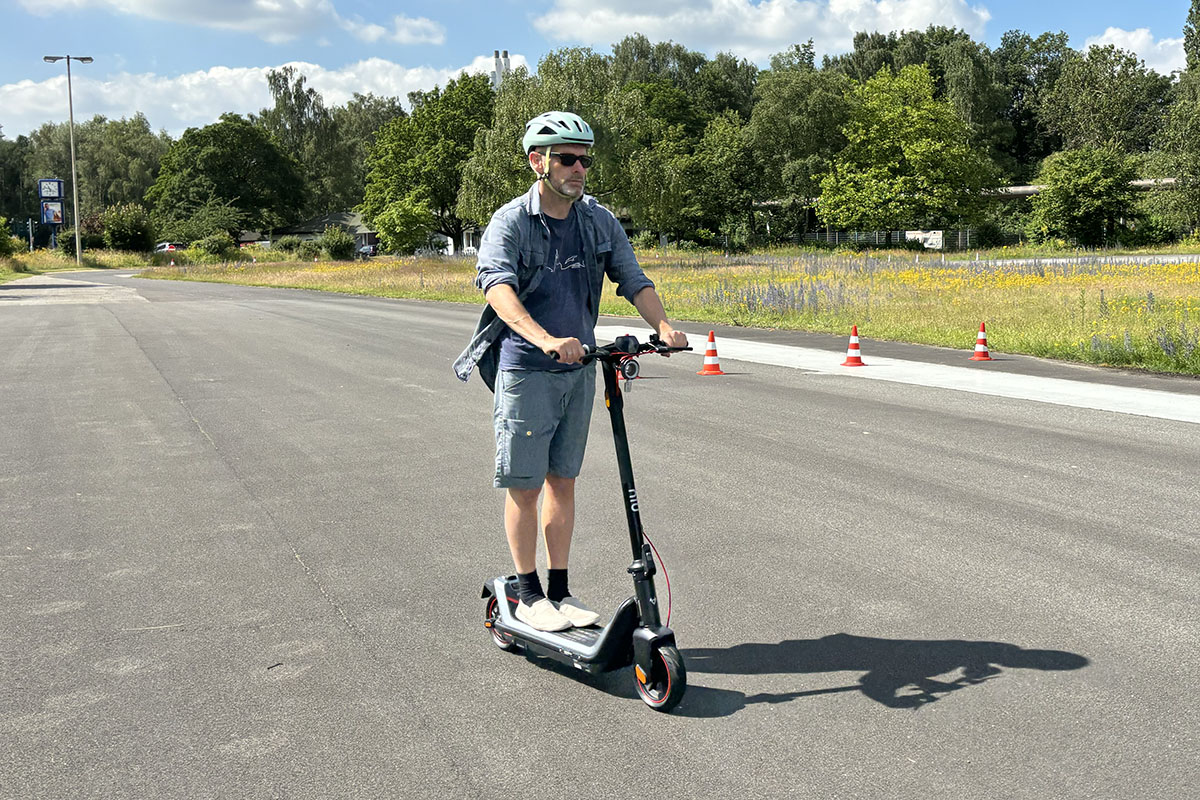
71, 115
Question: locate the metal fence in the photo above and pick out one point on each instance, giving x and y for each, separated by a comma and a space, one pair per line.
961, 239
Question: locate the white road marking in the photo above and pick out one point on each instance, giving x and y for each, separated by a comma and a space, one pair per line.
38, 290
1058, 391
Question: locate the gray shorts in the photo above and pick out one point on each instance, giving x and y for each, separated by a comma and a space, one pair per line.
542, 421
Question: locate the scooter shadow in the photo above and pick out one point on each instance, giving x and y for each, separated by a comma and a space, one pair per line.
618, 683
898, 673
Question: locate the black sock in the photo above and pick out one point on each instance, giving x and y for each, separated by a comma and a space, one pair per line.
529, 588
557, 588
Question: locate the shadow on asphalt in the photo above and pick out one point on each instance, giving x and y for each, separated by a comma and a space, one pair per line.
22, 287
899, 673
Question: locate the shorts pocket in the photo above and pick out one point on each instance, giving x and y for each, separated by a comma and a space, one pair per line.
523, 450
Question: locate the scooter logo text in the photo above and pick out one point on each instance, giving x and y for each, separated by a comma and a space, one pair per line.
633, 501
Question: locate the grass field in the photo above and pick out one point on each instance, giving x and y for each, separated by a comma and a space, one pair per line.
1099, 310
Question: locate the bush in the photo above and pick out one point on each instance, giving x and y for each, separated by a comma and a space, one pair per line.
217, 244
8, 244
127, 227
308, 250
287, 244
338, 243
89, 241
989, 234
644, 240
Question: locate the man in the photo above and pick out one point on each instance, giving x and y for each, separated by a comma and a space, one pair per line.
541, 266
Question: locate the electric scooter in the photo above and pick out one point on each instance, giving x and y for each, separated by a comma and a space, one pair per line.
635, 634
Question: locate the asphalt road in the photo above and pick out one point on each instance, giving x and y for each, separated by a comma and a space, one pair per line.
245, 532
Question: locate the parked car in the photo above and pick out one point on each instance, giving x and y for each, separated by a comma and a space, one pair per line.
167, 247
367, 250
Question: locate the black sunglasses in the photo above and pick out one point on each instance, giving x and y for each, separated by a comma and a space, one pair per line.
569, 159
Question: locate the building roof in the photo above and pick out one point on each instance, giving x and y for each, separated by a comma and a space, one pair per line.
349, 220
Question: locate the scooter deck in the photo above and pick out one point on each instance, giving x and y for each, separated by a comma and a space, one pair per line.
594, 649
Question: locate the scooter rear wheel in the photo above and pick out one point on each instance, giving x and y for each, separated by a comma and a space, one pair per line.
503, 640
664, 687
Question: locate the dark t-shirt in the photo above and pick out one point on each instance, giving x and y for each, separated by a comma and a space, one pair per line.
559, 303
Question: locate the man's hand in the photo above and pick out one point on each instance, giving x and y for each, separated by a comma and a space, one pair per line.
570, 350
673, 338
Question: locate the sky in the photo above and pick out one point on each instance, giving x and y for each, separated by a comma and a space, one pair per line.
183, 63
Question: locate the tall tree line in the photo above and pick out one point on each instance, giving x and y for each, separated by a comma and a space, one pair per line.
907, 129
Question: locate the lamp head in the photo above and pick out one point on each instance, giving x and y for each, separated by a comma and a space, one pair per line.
85, 60
51, 59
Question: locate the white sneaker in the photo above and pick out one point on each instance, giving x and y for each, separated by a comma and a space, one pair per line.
543, 616
580, 615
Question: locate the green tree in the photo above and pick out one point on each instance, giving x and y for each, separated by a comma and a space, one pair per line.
908, 158
1191, 36
357, 122
726, 180
1028, 69
964, 73
660, 195
795, 130
231, 164
419, 159
1176, 154
117, 161
636, 59
1106, 98
304, 129
18, 199
1087, 193
726, 83
570, 79
405, 225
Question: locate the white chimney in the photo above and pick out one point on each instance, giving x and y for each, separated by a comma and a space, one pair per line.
496, 70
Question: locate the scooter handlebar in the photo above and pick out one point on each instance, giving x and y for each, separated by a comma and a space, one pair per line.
624, 347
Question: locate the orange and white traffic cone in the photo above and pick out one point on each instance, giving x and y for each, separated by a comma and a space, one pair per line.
981, 349
172, 262
711, 365
853, 356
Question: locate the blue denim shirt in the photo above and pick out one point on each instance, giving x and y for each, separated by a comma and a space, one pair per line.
513, 251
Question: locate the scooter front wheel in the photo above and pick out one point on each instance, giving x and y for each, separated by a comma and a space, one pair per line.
663, 688
492, 611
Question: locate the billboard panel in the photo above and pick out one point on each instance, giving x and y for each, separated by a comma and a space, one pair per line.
52, 212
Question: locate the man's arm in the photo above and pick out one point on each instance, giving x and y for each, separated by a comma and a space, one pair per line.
503, 299
650, 306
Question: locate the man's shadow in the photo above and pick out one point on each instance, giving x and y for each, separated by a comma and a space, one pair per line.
898, 673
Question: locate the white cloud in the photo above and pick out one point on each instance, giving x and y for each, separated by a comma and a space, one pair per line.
405, 30
272, 20
753, 30
1163, 56
199, 98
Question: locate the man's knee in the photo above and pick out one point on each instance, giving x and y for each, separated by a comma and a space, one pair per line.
558, 483
524, 498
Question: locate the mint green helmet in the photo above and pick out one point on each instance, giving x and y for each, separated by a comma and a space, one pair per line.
556, 127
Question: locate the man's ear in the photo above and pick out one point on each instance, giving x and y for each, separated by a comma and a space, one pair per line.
536, 162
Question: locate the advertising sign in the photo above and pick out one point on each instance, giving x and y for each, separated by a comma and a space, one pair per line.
50, 188
52, 212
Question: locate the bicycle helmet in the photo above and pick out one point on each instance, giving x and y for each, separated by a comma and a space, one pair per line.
556, 127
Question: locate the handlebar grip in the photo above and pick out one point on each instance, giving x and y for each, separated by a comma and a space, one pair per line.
587, 351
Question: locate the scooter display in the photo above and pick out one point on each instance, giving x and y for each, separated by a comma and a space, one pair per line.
635, 634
